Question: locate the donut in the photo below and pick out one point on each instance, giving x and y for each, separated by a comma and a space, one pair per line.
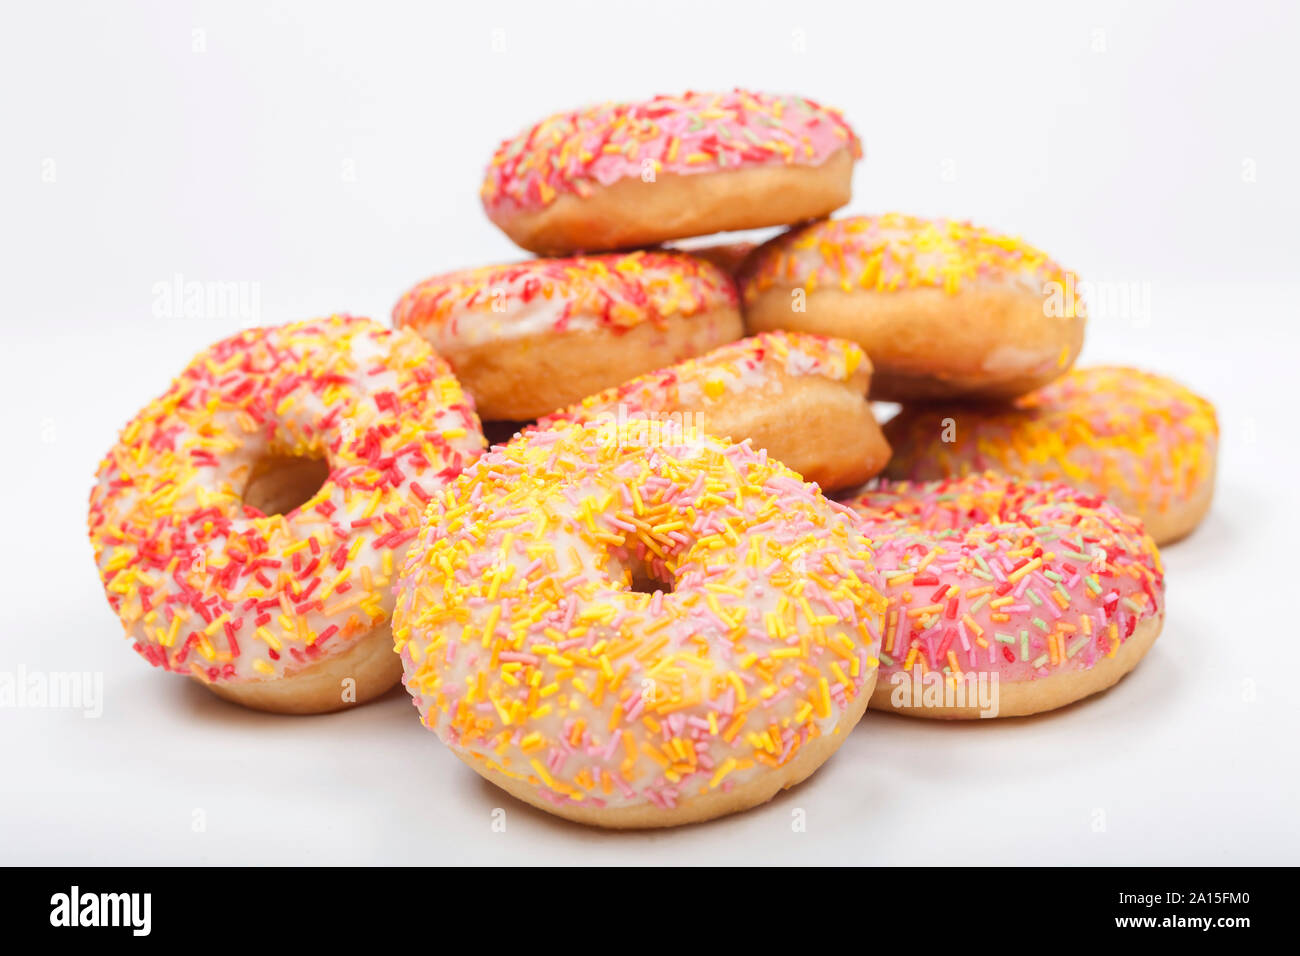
637, 637
1005, 597
529, 338
802, 398
1144, 442
248, 523
619, 175
944, 308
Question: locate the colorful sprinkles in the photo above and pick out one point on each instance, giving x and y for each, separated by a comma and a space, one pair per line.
573, 152
209, 587
634, 626
555, 296
987, 574
1140, 439
893, 251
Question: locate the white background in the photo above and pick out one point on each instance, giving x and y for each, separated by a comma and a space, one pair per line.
330, 156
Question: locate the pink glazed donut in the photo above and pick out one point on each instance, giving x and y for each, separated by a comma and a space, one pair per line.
1007, 598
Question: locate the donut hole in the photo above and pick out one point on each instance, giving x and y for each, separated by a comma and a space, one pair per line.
498, 433
278, 484
643, 579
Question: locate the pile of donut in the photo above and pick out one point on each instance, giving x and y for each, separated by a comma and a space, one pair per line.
693, 561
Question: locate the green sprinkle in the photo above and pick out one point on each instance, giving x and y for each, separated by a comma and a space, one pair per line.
1079, 641
886, 659
1004, 638
1093, 584
1033, 596
1024, 645
1040, 660
1039, 623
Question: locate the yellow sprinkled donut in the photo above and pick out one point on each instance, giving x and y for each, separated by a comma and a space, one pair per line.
943, 308
223, 553
638, 637
1145, 442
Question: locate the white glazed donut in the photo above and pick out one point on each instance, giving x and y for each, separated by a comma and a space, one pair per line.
638, 637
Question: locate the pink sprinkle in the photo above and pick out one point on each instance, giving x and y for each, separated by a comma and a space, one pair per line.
612, 747
520, 657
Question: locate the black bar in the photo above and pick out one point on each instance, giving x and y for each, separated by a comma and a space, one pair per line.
229, 904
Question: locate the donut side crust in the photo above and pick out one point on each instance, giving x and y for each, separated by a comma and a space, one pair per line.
523, 378
824, 430
631, 212
1180, 520
318, 688
987, 341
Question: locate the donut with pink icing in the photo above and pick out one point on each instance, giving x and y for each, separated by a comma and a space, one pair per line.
248, 523
1006, 598
633, 636
619, 175
801, 398
528, 338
